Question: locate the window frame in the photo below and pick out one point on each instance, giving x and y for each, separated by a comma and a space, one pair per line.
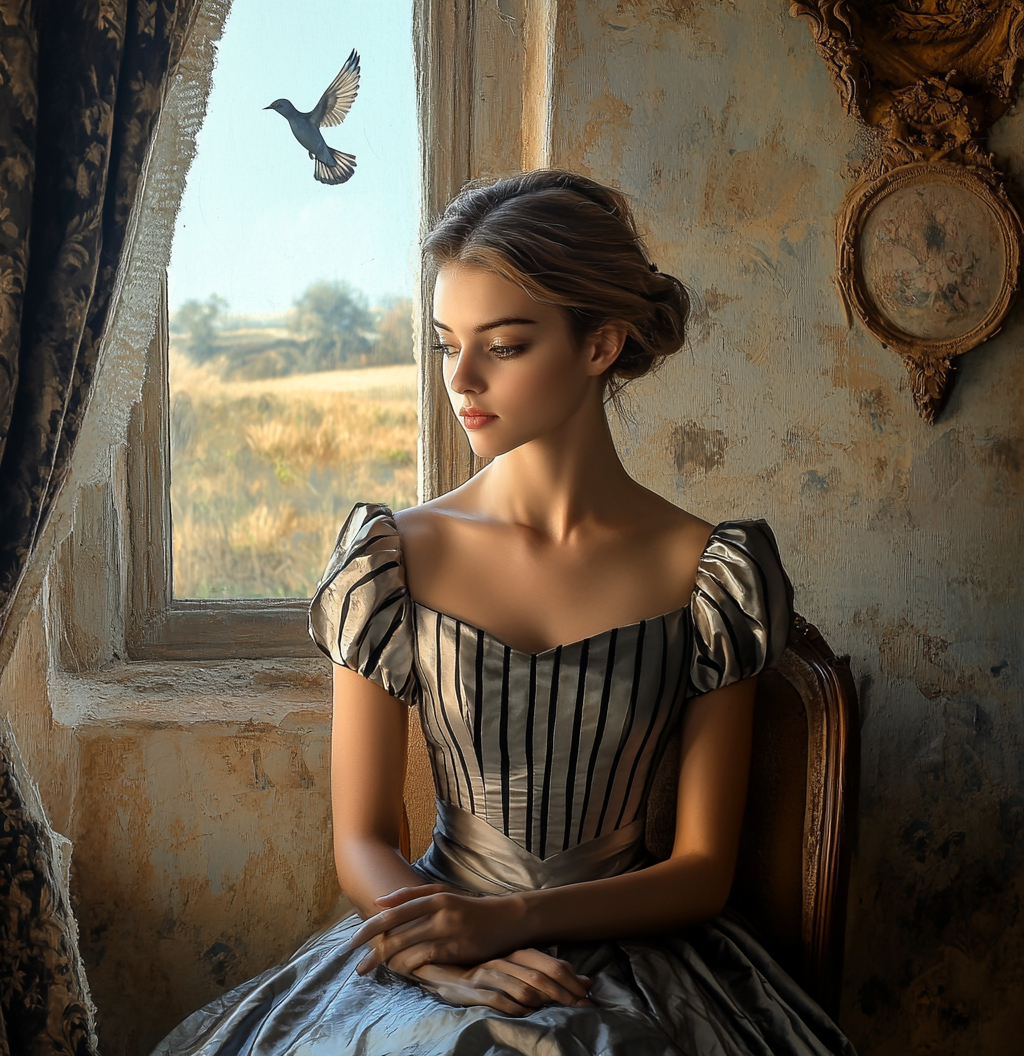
457, 44
159, 626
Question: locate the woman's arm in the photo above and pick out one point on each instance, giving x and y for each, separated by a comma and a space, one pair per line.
692, 885
368, 748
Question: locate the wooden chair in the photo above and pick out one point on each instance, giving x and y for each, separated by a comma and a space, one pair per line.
793, 864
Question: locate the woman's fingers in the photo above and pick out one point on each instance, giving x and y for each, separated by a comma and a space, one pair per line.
412, 944
451, 983
466, 994
445, 927
406, 961
513, 986
389, 919
470, 986
554, 978
406, 894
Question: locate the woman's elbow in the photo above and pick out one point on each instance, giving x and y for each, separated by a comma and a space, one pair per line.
708, 884
354, 852
717, 900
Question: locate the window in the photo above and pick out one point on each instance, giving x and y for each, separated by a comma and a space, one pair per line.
291, 378
281, 385
474, 95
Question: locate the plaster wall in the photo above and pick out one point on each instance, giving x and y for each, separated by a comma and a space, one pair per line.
197, 794
904, 540
200, 819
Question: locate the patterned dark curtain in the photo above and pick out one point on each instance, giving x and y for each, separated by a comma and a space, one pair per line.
81, 84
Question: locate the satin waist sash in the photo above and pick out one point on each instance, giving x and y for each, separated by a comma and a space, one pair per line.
469, 853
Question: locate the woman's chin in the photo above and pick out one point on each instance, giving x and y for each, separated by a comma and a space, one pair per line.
485, 449
489, 444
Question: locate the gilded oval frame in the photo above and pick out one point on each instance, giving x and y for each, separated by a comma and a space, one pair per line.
929, 359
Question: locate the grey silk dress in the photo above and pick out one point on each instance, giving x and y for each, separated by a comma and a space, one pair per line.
542, 765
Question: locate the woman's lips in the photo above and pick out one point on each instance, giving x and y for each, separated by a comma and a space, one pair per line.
472, 418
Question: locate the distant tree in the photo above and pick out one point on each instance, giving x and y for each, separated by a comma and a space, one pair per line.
202, 321
336, 326
394, 332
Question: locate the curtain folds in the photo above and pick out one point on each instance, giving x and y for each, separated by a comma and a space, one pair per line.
81, 83
81, 86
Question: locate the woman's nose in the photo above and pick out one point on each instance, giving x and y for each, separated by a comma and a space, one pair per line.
466, 377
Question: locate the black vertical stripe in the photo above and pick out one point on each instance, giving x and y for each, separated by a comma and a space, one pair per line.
671, 714
437, 744
627, 726
447, 752
503, 739
545, 795
531, 712
454, 745
655, 708
440, 768
574, 747
602, 717
478, 703
458, 674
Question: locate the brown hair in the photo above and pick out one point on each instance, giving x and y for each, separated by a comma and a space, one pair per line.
568, 241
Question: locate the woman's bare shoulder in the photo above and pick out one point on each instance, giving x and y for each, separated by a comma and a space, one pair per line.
431, 520
674, 539
431, 533
655, 514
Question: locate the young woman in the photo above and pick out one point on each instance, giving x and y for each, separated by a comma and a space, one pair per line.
555, 623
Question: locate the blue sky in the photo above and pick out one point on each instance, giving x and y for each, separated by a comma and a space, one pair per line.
254, 225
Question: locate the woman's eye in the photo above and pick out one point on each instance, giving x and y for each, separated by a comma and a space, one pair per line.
445, 350
507, 351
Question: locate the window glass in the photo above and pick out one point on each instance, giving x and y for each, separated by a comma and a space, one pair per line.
292, 383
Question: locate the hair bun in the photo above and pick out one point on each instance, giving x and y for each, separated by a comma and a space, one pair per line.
567, 240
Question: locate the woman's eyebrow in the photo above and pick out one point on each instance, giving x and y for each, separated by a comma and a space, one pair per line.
490, 326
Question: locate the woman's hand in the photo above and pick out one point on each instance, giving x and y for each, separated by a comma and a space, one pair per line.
433, 925
515, 985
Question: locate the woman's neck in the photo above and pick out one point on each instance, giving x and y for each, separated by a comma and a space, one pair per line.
560, 482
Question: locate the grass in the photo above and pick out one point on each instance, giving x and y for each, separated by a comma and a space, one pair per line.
263, 473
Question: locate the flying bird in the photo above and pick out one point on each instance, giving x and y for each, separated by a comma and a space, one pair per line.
332, 166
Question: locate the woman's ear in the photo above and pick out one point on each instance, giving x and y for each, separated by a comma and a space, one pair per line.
603, 346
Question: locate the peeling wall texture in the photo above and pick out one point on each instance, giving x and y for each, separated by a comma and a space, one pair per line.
904, 540
202, 845
197, 795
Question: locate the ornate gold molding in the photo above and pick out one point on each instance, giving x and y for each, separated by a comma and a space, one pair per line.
932, 76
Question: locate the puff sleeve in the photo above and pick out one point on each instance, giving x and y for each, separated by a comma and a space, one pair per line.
361, 615
742, 606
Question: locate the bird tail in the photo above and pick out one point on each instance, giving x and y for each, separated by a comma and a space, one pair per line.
342, 169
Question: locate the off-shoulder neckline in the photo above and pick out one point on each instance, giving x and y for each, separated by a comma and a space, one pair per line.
387, 512
554, 648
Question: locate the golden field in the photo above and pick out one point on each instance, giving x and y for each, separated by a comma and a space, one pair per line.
263, 473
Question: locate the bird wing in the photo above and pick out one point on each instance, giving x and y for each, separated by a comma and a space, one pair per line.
336, 102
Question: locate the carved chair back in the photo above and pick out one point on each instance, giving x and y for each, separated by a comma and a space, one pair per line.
793, 865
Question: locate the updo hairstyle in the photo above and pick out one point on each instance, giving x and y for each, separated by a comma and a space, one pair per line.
571, 242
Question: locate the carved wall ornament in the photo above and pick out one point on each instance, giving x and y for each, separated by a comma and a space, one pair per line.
928, 240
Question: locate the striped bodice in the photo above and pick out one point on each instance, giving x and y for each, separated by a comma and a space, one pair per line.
555, 748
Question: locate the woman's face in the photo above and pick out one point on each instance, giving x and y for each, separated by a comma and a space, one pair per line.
514, 370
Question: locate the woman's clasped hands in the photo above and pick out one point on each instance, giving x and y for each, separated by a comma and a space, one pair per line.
458, 947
